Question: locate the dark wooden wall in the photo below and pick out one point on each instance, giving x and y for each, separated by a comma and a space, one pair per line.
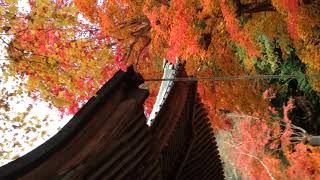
185, 135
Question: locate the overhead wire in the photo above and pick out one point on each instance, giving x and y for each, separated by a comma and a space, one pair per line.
233, 78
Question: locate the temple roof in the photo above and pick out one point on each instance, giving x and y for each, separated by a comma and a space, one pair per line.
109, 138
169, 71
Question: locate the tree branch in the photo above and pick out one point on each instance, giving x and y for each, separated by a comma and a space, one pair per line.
142, 49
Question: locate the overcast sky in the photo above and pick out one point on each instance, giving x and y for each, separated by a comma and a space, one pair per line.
9, 135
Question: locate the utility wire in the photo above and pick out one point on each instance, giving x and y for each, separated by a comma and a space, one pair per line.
232, 78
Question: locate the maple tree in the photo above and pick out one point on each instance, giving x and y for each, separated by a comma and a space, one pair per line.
65, 60
266, 149
67, 50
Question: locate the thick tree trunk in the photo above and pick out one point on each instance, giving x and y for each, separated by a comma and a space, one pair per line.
314, 140
260, 7
254, 7
307, 1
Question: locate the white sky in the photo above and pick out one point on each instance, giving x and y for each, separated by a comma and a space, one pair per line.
19, 104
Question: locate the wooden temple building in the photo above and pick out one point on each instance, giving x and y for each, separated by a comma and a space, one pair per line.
109, 138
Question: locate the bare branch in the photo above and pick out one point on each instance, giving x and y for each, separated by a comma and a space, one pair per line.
261, 162
256, 158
